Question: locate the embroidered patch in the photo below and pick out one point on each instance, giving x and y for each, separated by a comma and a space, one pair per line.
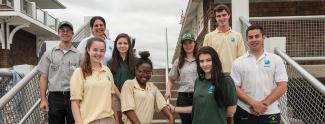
211, 89
110, 48
273, 119
108, 78
232, 39
267, 63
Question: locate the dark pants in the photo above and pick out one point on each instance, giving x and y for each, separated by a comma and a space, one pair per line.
60, 108
185, 99
243, 117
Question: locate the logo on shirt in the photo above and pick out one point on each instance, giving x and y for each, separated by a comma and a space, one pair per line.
108, 78
110, 48
211, 89
232, 40
267, 63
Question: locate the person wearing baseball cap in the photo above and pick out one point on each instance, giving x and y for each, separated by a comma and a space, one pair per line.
184, 69
65, 24
56, 67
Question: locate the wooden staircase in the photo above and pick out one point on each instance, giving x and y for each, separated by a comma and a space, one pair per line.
159, 80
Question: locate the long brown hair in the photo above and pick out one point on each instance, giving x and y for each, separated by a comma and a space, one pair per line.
182, 55
116, 57
85, 64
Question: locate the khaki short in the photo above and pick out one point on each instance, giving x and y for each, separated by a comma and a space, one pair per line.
108, 120
117, 102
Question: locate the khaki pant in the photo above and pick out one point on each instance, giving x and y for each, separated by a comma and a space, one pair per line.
108, 120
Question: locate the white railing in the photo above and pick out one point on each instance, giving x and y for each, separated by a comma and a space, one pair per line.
7, 4
30, 9
17, 103
304, 101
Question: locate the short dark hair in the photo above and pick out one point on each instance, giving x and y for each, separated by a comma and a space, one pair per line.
220, 8
93, 19
253, 27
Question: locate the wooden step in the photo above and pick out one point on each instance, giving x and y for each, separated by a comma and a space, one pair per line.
162, 85
158, 78
159, 71
165, 121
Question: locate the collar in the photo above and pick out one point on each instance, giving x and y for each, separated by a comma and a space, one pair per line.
105, 37
136, 84
218, 31
72, 48
102, 69
264, 54
190, 60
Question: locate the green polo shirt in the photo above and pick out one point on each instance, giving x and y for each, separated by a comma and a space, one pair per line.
205, 108
121, 75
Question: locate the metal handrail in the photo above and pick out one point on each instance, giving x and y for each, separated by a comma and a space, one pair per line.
30, 111
5, 73
79, 33
287, 18
311, 79
244, 21
20, 85
318, 58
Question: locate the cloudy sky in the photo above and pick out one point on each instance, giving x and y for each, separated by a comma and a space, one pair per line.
145, 20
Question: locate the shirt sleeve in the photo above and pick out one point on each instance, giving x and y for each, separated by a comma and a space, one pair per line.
174, 73
127, 98
82, 45
235, 73
280, 71
44, 64
206, 41
160, 101
230, 91
77, 85
240, 46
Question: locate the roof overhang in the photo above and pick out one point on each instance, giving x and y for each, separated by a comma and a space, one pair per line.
48, 4
37, 28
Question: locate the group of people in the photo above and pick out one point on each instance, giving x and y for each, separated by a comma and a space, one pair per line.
102, 82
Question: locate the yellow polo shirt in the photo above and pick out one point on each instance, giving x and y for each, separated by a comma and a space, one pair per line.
94, 93
229, 46
144, 102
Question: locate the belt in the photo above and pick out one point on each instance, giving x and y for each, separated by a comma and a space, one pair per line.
185, 94
60, 92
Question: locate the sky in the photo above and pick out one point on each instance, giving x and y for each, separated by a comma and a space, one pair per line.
146, 20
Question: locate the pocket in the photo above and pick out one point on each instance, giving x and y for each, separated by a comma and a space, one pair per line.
72, 66
54, 67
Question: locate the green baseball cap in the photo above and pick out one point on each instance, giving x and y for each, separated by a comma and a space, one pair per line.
65, 23
187, 36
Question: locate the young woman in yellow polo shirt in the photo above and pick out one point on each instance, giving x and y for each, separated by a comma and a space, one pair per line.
140, 98
92, 86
